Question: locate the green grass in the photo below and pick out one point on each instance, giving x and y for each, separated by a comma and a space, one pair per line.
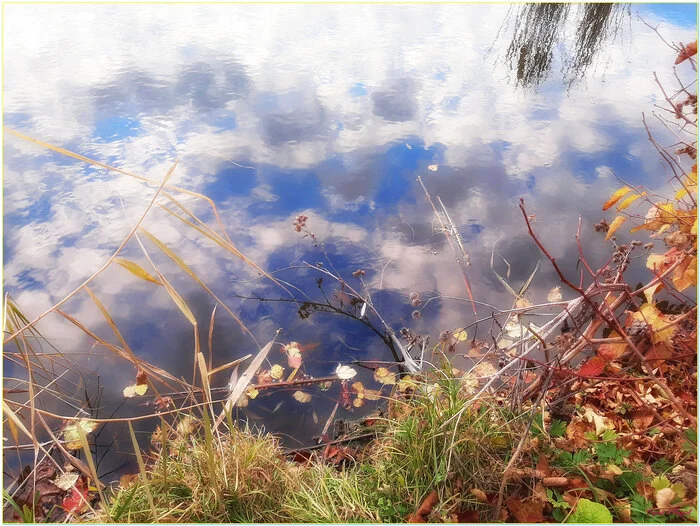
242, 476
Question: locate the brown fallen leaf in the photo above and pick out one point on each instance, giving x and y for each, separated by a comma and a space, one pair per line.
480, 495
543, 465
425, 508
525, 510
466, 517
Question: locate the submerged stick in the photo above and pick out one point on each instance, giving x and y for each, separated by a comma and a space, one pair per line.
448, 232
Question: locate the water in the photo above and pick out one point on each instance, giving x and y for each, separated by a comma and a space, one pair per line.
327, 111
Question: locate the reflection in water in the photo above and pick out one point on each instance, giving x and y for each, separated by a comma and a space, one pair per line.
539, 28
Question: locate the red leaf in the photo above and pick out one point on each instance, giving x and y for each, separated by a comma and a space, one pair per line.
592, 367
689, 51
141, 377
76, 501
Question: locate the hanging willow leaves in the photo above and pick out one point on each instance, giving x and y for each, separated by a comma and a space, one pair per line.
136, 270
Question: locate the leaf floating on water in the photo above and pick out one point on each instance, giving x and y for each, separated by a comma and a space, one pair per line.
384, 376
460, 335
554, 295
293, 355
314, 416
135, 390
277, 371
72, 436
252, 393
344, 372
433, 167
301, 396
67, 480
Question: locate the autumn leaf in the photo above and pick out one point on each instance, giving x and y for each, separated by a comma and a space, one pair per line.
619, 194
252, 392
615, 225
384, 376
612, 351
67, 480
302, 397
629, 200
277, 371
460, 335
685, 275
425, 508
687, 51
433, 167
131, 391
661, 331
593, 367
526, 511
72, 436
77, 500
141, 377
293, 355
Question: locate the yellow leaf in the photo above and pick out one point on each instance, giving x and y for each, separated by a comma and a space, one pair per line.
252, 392
357, 386
660, 332
384, 376
631, 199
72, 436
371, 394
649, 293
619, 194
615, 225
685, 275
136, 270
277, 371
301, 396
656, 262
460, 335
358, 402
134, 390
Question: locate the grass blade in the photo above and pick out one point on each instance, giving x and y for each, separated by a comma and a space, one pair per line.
142, 471
136, 270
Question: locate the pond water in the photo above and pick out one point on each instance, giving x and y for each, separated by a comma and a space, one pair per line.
327, 111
